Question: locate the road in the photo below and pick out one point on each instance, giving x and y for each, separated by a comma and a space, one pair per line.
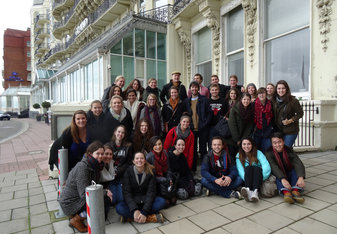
10, 128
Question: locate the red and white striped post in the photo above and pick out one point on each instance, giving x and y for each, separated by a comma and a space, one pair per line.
95, 208
63, 175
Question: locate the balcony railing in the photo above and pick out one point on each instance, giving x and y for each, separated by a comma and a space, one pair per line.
100, 10
162, 14
57, 3
63, 22
179, 5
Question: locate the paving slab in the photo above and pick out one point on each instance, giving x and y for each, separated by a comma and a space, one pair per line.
20, 213
13, 203
258, 206
218, 231
208, 220
233, 211
35, 191
62, 227
182, 226
39, 220
200, 204
286, 230
14, 226
37, 199
312, 226
51, 196
291, 211
245, 225
143, 227
326, 216
5, 215
177, 212
21, 194
6, 196
153, 231
120, 228
47, 229
324, 196
270, 220
38, 209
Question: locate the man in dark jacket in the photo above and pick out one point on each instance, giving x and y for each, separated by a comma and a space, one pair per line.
288, 169
199, 109
165, 93
219, 174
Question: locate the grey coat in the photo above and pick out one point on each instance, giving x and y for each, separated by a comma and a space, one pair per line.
72, 198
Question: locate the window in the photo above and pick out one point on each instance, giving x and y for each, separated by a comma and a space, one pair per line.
203, 53
234, 37
28, 53
287, 43
28, 43
29, 76
28, 66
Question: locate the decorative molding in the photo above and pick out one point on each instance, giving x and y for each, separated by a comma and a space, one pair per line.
185, 39
213, 24
325, 10
249, 7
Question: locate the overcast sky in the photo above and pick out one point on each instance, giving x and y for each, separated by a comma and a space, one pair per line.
13, 14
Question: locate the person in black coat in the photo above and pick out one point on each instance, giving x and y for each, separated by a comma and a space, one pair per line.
175, 81
139, 190
95, 121
117, 114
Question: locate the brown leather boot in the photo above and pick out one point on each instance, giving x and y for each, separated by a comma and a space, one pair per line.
77, 223
155, 218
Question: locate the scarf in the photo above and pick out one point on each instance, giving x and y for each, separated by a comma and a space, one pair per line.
174, 103
259, 110
160, 163
247, 114
155, 91
97, 166
180, 133
120, 116
137, 175
156, 118
224, 164
285, 160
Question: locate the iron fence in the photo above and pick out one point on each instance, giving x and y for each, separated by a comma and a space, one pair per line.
306, 136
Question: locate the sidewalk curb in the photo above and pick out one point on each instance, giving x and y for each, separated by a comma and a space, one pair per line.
24, 129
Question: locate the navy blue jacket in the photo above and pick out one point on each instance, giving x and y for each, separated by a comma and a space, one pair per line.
211, 172
204, 111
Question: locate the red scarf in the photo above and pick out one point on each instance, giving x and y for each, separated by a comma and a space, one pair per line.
285, 160
259, 110
160, 163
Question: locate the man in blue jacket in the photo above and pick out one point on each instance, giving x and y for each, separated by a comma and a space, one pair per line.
200, 111
219, 174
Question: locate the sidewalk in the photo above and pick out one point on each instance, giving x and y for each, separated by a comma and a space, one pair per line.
28, 204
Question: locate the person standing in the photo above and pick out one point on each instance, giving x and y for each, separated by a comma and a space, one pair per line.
175, 81
203, 90
222, 88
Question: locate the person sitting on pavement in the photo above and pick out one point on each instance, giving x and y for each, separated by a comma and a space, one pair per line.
139, 190
253, 168
288, 169
219, 174
72, 198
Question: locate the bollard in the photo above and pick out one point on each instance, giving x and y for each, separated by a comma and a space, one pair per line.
95, 208
63, 175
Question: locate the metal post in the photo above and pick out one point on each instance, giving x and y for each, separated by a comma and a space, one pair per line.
63, 175
95, 208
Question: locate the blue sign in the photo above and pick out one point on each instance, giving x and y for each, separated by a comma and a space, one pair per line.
14, 77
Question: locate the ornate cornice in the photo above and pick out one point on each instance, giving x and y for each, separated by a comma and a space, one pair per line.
186, 41
325, 10
249, 7
213, 24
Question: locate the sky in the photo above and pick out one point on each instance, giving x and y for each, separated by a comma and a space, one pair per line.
13, 14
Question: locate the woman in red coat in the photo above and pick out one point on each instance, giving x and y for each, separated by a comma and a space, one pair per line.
182, 131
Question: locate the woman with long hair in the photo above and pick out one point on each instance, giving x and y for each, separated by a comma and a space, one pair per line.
270, 91
159, 159
137, 86
183, 131
141, 138
253, 168
152, 88
152, 113
263, 119
139, 189
172, 110
114, 90
95, 121
186, 187
251, 89
132, 104
233, 96
76, 138
72, 198
287, 112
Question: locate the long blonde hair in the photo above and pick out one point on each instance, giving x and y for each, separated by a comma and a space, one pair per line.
148, 168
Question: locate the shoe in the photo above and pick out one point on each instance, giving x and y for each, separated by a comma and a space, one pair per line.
236, 194
254, 195
155, 218
208, 193
245, 194
288, 198
77, 223
125, 220
296, 195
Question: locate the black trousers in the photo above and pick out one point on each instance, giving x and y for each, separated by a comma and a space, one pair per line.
203, 138
253, 177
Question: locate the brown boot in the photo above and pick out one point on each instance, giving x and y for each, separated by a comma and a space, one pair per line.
77, 222
155, 218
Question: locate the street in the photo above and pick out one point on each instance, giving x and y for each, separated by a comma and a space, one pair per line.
10, 128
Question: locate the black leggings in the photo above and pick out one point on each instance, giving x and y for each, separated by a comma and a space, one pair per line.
253, 177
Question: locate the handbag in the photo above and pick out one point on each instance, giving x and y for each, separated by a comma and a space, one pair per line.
268, 187
222, 128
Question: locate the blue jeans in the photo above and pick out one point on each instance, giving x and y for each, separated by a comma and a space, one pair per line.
116, 190
289, 139
219, 190
292, 179
123, 209
262, 143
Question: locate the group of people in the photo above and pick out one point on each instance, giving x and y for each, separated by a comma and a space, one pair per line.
144, 145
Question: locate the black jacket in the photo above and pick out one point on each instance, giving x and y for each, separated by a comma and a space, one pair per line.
96, 126
110, 123
167, 113
203, 110
139, 196
123, 159
179, 167
164, 95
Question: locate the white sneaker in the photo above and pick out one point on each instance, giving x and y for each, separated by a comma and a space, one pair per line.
245, 193
254, 196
